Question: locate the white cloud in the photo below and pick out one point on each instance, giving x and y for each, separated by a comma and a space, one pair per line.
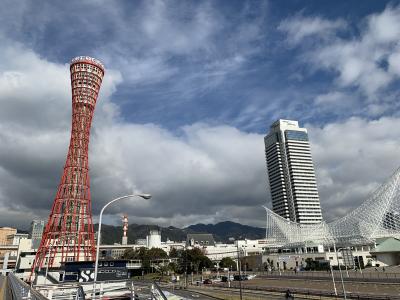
367, 60
300, 27
352, 159
332, 98
200, 173
394, 63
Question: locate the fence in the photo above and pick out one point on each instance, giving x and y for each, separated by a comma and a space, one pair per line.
17, 290
348, 275
280, 293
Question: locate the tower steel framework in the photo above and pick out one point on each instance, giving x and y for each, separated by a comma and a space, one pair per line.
69, 235
376, 217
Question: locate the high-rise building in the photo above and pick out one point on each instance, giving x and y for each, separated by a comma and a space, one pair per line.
37, 227
68, 235
291, 173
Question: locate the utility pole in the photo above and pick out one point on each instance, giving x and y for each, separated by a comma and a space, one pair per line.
239, 267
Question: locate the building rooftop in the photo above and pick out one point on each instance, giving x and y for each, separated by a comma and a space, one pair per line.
387, 245
200, 239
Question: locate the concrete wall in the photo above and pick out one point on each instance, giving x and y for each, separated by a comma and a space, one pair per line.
388, 259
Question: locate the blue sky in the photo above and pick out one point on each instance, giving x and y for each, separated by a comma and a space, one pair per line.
191, 87
233, 63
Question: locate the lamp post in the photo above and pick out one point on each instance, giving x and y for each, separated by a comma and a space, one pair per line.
333, 278
186, 279
239, 267
340, 271
144, 196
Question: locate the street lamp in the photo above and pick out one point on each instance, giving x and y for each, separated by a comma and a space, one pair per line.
186, 281
239, 267
144, 196
340, 270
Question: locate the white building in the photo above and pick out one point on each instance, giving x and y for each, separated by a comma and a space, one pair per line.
291, 173
361, 255
245, 247
153, 239
14, 239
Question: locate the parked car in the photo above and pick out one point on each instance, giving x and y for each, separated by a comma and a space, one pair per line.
240, 278
207, 281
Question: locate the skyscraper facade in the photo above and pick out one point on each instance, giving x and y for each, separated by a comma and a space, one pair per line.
291, 173
37, 227
68, 234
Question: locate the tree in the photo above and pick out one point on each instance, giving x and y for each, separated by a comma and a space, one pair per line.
174, 253
145, 255
227, 262
156, 253
173, 267
191, 260
163, 270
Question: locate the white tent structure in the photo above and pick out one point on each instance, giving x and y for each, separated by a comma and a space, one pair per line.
378, 216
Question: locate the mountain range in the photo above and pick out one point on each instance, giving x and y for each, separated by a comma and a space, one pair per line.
222, 232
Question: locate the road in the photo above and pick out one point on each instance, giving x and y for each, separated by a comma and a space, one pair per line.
190, 295
143, 291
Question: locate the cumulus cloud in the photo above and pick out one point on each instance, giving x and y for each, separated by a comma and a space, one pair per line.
352, 159
366, 60
202, 171
148, 41
199, 172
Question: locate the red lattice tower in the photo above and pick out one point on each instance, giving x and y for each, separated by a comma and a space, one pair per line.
69, 235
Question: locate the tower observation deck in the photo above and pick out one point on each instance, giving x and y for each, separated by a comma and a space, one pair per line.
69, 234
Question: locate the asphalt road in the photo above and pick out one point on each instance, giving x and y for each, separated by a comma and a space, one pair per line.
143, 291
190, 295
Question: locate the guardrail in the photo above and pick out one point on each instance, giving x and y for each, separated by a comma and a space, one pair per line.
69, 290
352, 276
307, 292
156, 292
17, 289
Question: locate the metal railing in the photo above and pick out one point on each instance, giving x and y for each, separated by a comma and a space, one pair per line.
157, 293
17, 289
103, 289
299, 293
348, 275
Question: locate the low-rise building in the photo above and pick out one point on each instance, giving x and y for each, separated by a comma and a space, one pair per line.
200, 240
387, 252
4, 233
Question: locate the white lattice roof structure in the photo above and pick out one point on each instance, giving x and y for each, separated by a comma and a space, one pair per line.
378, 216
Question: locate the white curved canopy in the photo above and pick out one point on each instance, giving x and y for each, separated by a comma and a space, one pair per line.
378, 216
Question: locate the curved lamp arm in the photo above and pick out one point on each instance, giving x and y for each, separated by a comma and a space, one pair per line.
144, 196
